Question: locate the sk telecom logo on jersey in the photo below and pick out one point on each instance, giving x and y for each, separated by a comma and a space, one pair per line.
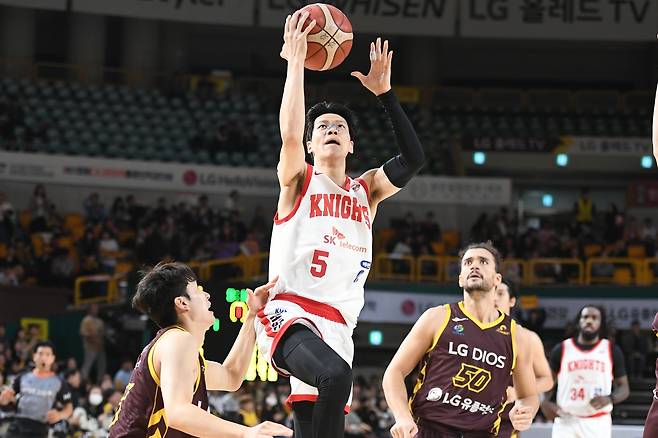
503, 330
338, 239
335, 235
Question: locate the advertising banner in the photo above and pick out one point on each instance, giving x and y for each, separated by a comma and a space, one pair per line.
238, 12
429, 17
457, 191
406, 308
618, 20
148, 175
59, 5
618, 146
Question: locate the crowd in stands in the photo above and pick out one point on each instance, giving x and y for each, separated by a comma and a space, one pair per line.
96, 395
50, 250
608, 234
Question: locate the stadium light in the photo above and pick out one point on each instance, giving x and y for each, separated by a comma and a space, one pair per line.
562, 160
547, 200
479, 158
375, 337
647, 162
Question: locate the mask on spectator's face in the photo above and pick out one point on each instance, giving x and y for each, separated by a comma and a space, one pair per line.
95, 399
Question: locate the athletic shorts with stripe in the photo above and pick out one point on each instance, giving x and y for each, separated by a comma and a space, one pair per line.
286, 309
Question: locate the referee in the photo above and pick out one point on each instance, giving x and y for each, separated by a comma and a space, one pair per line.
40, 396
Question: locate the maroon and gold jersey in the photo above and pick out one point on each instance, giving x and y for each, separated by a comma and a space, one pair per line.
465, 373
141, 412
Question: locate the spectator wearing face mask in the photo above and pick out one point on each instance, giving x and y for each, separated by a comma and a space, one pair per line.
85, 417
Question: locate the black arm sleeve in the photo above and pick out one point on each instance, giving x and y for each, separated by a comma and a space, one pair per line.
556, 358
64, 394
16, 385
618, 363
401, 168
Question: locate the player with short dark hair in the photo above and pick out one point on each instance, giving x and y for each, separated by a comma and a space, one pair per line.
505, 299
466, 351
167, 393
321, 246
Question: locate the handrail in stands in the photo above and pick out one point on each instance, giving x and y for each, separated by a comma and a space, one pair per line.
535, 279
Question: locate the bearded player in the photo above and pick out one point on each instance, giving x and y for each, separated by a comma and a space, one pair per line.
466, 351
321, 245
505, 299
585, 368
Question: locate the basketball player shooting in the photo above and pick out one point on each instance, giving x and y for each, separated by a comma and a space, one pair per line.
466, 351
321, 246
505, 299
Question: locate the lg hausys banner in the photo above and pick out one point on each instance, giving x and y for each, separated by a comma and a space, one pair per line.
611, 146
236, 12
59, 5
100, 172
95, 172
428, 17
618, 20
406, 308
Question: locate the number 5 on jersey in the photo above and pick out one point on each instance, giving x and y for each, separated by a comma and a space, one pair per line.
319, 263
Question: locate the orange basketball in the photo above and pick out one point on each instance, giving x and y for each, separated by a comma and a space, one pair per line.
330, 41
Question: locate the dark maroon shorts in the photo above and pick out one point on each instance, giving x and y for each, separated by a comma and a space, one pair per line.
436, 430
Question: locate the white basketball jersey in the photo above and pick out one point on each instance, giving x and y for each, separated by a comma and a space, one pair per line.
584, 375
323, 249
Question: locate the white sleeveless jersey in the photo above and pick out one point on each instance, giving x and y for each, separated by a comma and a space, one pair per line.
323, 249
584, 375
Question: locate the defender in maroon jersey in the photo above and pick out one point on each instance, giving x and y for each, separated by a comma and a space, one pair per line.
651, 424
467, 352
166, 395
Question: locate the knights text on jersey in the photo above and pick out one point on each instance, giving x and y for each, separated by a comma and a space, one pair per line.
323, 249
464, 375
141, 410
584, 375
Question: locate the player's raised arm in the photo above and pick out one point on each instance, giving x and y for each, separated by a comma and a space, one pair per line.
398, 171
411, 351
178, 357
228, 376
527, 403
292, 113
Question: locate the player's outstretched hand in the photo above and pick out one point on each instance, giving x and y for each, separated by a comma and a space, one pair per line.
406, 428
294, 36
257, 299
521, 417
378, 80
267, 429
